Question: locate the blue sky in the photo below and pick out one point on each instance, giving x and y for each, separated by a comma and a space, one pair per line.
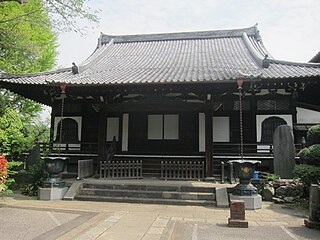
290, 29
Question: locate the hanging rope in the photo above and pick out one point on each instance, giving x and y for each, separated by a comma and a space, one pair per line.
61, 123
241, 121
63, 95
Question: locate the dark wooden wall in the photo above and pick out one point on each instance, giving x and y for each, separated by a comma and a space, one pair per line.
187, 142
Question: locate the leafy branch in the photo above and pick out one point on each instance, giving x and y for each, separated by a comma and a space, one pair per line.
64, 14
22, 16
19, 1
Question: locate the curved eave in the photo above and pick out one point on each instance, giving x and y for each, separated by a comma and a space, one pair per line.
289, 70
35, 78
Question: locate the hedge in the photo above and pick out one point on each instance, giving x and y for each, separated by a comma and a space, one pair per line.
313, 135
310, 155
308, 174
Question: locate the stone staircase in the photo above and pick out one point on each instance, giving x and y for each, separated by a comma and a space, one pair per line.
159, 192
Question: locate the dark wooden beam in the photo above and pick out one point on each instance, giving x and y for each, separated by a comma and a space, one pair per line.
102, 138
208, 139
165, 106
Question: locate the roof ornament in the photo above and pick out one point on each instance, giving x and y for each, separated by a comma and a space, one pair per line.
75, 68
265, 61
257, 33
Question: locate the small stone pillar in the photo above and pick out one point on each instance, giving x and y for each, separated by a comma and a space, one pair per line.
237, 214
314, 207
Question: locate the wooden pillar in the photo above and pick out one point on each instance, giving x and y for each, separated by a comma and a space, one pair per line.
102, 135
208, 139
53, 114
253, 112
293, 108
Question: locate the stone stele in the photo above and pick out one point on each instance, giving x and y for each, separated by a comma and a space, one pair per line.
284, 153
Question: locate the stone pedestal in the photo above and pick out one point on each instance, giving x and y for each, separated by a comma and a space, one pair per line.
250, 202
52, 193
237, 214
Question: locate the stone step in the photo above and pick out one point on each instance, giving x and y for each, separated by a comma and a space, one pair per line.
150, 187
148, 194
151, 174
146, 200
217, 177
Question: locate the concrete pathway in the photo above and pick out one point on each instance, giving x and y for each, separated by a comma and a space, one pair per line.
28, 218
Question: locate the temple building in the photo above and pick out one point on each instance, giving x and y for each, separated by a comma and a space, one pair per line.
174, 96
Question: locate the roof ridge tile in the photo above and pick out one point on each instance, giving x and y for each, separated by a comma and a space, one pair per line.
252, 31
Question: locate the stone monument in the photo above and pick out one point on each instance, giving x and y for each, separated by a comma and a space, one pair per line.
284, 151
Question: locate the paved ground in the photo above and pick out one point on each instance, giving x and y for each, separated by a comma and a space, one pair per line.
28, 218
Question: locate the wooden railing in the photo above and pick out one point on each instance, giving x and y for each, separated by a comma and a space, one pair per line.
121, 169
67, 148
193, 170
249, 149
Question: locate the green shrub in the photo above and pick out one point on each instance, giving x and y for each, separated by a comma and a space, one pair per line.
313, 135
303, 154
35, 177
311, 156
308, 174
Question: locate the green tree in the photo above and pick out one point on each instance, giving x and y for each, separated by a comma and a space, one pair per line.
65, 15
15, 135
28, 31
27, 45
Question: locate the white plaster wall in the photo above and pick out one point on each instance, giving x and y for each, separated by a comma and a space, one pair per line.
261, 118
125, 131
307, 116
221, 129
58, 119
155, 127
171, 126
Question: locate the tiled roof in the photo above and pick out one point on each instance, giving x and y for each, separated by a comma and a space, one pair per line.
210, 56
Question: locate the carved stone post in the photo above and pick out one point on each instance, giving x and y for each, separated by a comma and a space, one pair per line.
314, 207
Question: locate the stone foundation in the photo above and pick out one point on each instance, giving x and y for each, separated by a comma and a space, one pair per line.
250, 202
52, 193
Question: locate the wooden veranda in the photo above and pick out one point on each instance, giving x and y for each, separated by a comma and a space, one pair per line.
183, 167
